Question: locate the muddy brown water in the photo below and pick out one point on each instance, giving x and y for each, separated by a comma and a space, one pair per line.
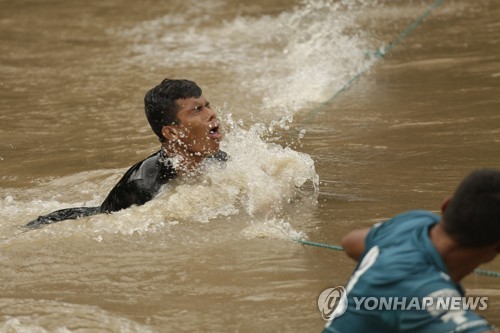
218, 257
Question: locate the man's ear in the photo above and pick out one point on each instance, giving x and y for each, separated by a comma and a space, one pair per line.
170, 133
445, 204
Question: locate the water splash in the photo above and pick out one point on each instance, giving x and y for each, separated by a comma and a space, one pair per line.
295, 58
260, 182
259, 179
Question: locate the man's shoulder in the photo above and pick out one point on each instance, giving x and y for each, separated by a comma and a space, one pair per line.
410, 220
150, 160
399, 229
144, 169
139, 184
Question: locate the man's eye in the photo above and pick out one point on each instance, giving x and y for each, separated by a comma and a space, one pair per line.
208, 106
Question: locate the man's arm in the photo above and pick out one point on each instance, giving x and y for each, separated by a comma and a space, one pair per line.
354, 243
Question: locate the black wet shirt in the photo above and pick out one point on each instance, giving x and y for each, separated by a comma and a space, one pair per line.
139, 185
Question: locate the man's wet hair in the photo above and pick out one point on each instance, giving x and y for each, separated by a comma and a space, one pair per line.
160, 102
472, 217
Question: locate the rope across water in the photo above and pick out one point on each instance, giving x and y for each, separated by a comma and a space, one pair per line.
379, 54
478, 271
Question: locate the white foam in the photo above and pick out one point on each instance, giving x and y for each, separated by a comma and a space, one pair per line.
272, 229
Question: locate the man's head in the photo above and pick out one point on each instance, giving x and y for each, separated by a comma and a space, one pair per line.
472, 217
180, 116
160, 102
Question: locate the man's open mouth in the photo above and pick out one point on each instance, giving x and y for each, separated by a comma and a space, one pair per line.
215, 132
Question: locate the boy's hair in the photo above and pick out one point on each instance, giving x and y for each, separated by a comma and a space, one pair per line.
160, 102
472, 217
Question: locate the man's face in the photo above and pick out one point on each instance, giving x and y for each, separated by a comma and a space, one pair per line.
198, 127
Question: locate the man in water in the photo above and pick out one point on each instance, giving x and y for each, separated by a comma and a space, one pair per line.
189, 132
421, 257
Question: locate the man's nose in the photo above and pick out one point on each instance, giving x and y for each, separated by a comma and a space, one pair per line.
211, 113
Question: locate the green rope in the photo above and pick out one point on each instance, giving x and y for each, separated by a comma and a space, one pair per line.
326, 246
379, 54
478, 271
418, 21
481, 271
